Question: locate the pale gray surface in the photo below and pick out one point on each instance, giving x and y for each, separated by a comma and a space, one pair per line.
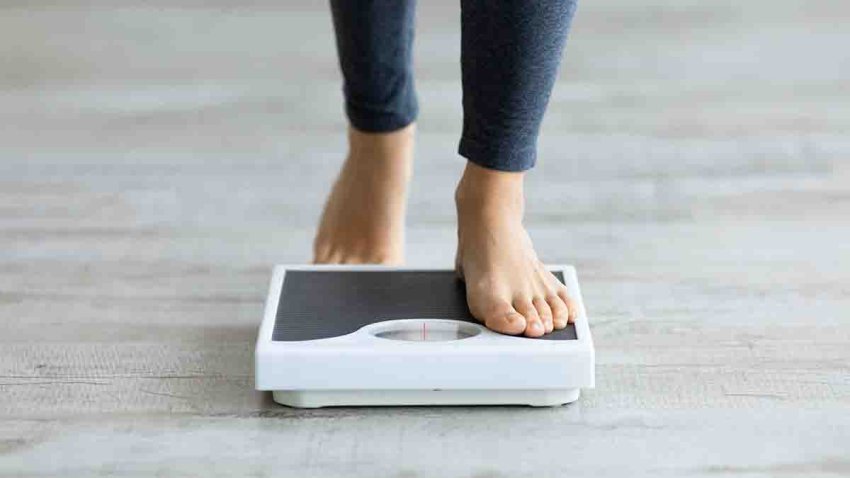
155, 161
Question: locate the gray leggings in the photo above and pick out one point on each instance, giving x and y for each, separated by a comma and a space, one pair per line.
510, 52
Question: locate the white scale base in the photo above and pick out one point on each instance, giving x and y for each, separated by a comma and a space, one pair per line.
422, 361
338, 398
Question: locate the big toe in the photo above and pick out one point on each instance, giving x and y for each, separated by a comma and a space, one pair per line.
503, 319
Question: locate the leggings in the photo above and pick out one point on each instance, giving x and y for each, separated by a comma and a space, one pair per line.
510, 53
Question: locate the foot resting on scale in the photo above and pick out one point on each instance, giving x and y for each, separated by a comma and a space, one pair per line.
507, 287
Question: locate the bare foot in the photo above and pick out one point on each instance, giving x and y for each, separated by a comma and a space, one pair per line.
507, 287
363, 219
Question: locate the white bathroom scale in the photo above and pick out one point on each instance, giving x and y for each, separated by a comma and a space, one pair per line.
338, 335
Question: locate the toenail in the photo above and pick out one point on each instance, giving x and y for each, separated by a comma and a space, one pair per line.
536, 326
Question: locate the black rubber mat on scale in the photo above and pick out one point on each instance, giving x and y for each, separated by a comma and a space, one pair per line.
323, 304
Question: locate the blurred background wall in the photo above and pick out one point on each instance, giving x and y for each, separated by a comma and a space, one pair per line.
208, 116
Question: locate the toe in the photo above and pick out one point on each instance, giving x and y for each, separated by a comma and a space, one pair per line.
534, 326
504, 319
545, 313
573, 306
327, 256
570, 303
320, 253
510, 323
560, 312
334, 257
350, 259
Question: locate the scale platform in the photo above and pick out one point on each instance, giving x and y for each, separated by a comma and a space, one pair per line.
340, 335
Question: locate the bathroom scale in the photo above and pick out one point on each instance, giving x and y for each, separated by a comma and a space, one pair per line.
342, 335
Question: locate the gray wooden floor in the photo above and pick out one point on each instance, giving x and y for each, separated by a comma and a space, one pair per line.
155, 161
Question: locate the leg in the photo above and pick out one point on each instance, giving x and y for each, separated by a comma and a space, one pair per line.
363, 219
510, 56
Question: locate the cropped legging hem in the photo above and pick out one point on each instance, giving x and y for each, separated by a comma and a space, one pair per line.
501, 157
369, 120
510, 53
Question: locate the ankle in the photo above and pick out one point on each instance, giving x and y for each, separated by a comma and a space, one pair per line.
481, 190
390, 153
